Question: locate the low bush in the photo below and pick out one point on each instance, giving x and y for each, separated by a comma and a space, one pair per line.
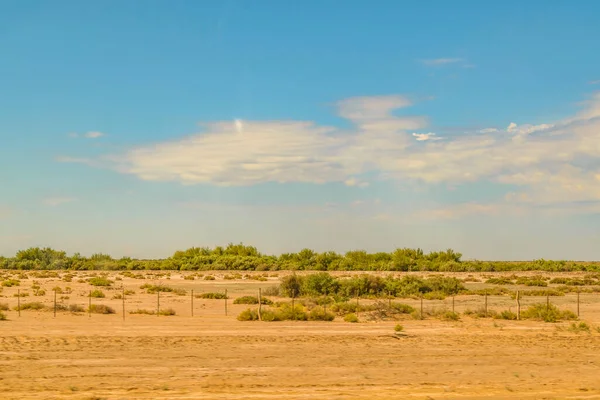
506, 314
101, 309
11, 283
499, 281
142, 311
449, 316
57, 289
22, 294
248, 315
167, 312
209, 278
189, 277
2, 316
211, 295
129, 292
319, 314
437, 295
153, 289
100, 281
34, 306
398, 328
98, 294
271, 291
351, 318
480, 313
401, 308
76, 308
581, 327
252, 300
3, 307
547, 313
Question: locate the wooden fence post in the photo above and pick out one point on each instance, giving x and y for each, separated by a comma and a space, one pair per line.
90, 305
293, 308
422, 307
547, 302
192, 302
577, 302
123, 298
19, 301
453, 304
158, 303
357, 305
225, 302
54, 303
486, 308
518, 306
259, 304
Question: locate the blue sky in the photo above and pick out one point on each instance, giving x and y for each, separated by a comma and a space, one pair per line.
142, 127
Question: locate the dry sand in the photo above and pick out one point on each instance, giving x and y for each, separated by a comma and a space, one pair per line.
213, 356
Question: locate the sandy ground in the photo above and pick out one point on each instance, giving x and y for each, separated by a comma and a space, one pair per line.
213, 356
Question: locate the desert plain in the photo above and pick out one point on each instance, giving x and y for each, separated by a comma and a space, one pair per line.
211, 355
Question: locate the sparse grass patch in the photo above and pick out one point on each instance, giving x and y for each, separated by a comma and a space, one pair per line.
76, 308
449, 316
3, 306
167, 312
33, 306
252, 300
398, 328
101, 309
211, 295
99, 294
351, 318
248, 315
11, 283
319, 314
57, 289
506, 314
581, 327
22, 294
143, 311
547, 313
189, 277
2, 316
129, 292
209, 278
100, 281
271, 291
499, 281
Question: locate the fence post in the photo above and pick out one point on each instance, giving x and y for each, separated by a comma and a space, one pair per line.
293, 308
158, 303
123, 298
225, 302
90, 305
518, 306
486, 311
547, 302
453, 304
259, 304
192, 302
422, 307
19, 301
357, 305
54, 303
389, 300
577, 302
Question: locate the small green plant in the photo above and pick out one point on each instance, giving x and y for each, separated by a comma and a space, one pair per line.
11, 283
34, 306
547, 313
167, 312
99, 294
2, 316
117, 296
351, 318
506, 314
248, 315
142, 311
100, 281
271, 291
3, 307
581, 327
499, 281
211, 295
437, 295
252, 300
39, 292
209, 278
57, 289
319, 314
189, 277
398, 328
449, 316
22, 294
129, 292
101, 309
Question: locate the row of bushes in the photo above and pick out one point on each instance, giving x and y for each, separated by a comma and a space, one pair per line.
241, 257
322, 283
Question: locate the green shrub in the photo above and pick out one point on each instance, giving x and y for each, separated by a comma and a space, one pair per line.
248, 315
34, 306
11, 283
252, 300
129, 292
434, 296
189, 277
3, 307
581, 327
39, 292
99, 294
117, 296
499, 281
167, 312
319, 314
271, 291
100, 281
506, 314
295, 313
153, 289
141, 311
209, 278
351, 318
547, 313
270, 316
449, 316
57, 289
211, 295
401, 308
101, 309
398, 328
22, 294
531, 281
480, 313
2, 316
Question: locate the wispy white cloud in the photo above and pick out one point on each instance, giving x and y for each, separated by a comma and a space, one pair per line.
421, 137
87, 135
595, 82
543, 160
441, 61
57, 201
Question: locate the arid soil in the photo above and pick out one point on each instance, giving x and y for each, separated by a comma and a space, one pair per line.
213, 356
